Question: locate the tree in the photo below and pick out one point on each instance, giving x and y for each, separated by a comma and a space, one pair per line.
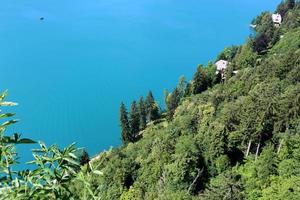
261, 43
226, 186
152, 108
181, 86
134, 120
212, 77
124, 123
143, 115
285, 6
188, 89
228, 53
172, 102
173, 99
228, 72
84, 158
200, 80
246, 56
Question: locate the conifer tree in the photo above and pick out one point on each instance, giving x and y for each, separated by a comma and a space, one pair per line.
142, 112
188, 90
134, 119
181, 86
172, 100
124, 123
200, 81
152, 109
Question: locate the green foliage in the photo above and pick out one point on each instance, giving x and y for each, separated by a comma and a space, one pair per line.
142, 113
124, 123
246, 57
52, 172
134, 120
285, 6
152, 108
173, 99
228, 53
226, 186
200, 81
84, 158
236, 140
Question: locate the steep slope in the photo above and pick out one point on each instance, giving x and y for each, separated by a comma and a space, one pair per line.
237, 140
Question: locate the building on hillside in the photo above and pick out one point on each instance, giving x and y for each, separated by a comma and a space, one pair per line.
277, 19
221, 67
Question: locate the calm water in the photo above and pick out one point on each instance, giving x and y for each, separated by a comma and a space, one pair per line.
70, 71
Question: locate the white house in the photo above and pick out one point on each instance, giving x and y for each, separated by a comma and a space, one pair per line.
221, 65
277, 19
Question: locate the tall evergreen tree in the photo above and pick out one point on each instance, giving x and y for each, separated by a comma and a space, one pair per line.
151, 108
142, 112
181, 86
134, 120
124, 123
200, 80
172, 102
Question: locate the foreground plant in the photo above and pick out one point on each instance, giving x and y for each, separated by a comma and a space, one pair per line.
53, 168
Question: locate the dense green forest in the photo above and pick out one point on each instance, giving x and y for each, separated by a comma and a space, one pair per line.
228, 135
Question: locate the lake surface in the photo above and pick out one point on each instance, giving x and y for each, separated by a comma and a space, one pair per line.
70, 71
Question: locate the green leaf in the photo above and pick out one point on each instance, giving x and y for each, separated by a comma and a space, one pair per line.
7, 115
71, 161
9, 122
6, 103
3, 95
98, 172
73, 155
26, 141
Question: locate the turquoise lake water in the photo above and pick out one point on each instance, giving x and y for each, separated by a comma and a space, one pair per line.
70, 71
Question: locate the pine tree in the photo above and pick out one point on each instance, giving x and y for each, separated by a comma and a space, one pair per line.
172, 102
181, 86
152, 109
200, 81
142, 112
134, 119
188, 90
124, 123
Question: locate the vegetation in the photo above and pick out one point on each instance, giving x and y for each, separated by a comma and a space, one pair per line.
239, 139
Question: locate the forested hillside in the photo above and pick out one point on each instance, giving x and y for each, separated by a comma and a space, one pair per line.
226, 134
233, 139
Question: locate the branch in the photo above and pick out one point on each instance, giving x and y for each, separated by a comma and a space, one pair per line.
196, 179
